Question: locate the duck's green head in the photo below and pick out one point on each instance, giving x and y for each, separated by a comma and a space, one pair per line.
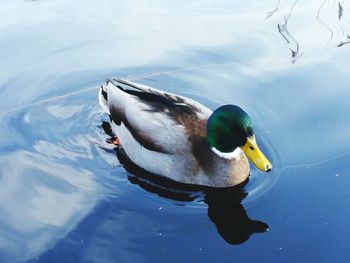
229, 127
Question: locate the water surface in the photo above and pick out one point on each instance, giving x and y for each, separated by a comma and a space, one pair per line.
66, 197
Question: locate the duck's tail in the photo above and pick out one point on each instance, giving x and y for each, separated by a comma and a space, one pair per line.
103, 98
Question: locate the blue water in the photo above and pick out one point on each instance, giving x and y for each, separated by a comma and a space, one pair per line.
66, 197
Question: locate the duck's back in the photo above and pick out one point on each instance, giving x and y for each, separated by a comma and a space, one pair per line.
156, 129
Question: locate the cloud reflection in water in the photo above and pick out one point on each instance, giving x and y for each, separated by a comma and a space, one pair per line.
40, 201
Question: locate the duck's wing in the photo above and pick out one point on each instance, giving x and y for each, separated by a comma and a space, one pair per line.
159, 121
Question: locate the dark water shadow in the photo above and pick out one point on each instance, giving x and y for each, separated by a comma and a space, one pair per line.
225, 207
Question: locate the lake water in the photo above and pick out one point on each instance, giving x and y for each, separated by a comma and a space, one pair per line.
65, 196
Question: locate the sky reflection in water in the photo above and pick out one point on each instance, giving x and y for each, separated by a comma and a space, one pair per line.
64, 197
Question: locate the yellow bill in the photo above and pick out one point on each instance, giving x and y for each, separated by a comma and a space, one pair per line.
254, 154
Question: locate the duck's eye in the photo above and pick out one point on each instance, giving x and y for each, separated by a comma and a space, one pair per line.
251, 147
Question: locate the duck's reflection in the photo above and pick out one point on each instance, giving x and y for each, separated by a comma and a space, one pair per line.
224, 204
229, 216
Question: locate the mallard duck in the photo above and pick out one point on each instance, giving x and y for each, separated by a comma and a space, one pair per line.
179, 138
